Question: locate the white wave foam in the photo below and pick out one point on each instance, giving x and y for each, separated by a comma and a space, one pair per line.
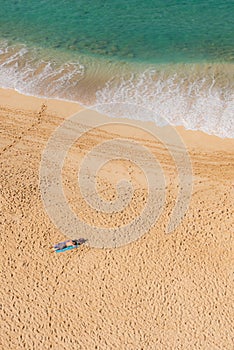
29, 72
197, 103
198, 99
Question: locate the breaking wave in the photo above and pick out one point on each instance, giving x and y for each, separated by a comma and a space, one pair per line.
184, 98
196, 96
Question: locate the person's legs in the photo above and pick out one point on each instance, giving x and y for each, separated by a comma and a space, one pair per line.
62, 245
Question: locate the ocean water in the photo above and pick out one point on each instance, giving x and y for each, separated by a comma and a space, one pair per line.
173, 57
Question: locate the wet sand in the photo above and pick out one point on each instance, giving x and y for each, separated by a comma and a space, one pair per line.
160, 292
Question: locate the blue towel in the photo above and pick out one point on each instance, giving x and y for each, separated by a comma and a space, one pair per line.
66, 248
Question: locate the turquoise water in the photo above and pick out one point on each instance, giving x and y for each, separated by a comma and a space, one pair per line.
150, 30
173, 56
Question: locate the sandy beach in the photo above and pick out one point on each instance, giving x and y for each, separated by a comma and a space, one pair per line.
159, 292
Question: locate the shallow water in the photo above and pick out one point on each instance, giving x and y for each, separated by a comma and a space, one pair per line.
154, 31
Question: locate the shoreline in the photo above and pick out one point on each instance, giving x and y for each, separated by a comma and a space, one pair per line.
195, 138
198, 96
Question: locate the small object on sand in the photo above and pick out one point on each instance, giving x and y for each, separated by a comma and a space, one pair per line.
68, 245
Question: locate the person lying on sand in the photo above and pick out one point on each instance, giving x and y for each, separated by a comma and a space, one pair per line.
69, 243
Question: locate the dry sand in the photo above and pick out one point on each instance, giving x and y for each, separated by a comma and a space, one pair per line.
160, 292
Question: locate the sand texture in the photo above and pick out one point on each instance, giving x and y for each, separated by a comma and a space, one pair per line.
160, 292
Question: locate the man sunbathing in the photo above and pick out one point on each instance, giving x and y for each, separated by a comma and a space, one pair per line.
69, 243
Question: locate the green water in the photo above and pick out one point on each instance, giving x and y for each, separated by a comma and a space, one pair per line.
146, 31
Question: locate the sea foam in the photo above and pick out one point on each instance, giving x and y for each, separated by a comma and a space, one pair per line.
30, 71
194, 101
196, 96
